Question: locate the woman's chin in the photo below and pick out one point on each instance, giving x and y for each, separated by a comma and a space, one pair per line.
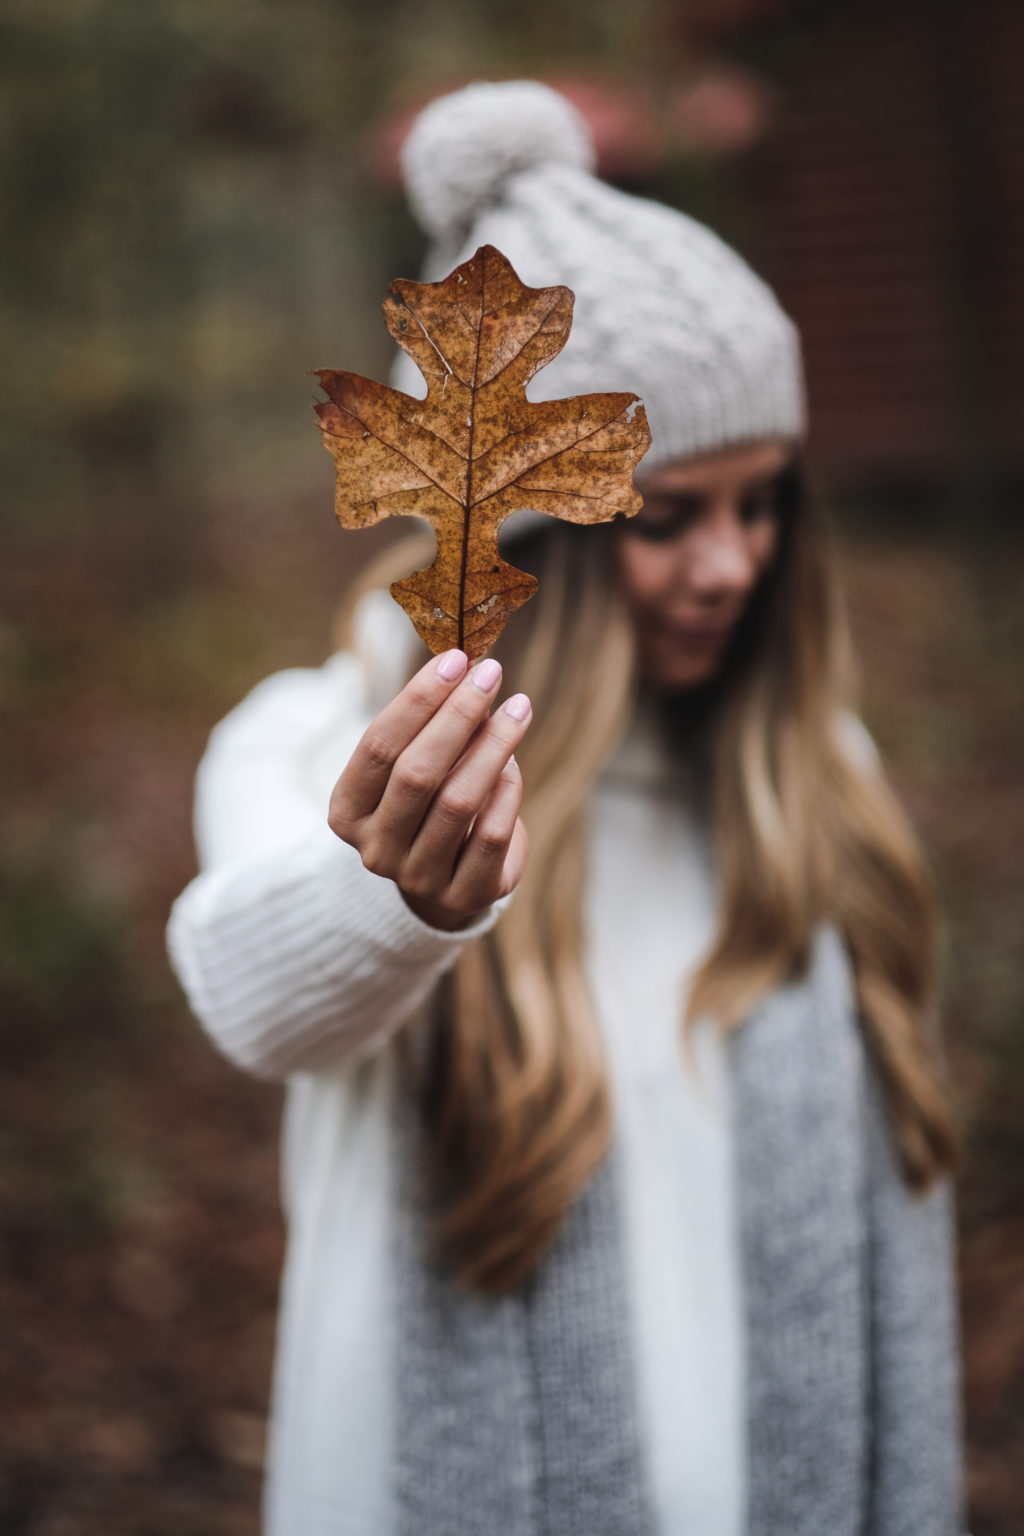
675, 670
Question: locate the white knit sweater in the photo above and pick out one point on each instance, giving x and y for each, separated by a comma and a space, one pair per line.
302, 965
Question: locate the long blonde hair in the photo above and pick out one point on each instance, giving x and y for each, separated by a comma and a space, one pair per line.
515, 1091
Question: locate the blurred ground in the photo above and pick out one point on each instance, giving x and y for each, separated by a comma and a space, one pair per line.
138, 1193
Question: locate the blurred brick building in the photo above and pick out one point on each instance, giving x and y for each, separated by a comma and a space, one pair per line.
890, 198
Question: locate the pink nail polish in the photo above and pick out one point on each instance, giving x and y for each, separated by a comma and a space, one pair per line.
451, 665
518, 706
486, 675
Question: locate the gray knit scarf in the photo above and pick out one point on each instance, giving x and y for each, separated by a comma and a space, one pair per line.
517, 1417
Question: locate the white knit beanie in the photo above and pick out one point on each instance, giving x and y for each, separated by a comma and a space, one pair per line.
663, 306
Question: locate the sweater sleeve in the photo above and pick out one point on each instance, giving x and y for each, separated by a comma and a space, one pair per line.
294, 957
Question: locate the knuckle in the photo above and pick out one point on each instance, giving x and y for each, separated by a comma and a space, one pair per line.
420, 692
340, 819
417, 882
507, 803
339, 825
456, 804
413, 779
492, 839
505, 730
372, 855
377, 749
466, 707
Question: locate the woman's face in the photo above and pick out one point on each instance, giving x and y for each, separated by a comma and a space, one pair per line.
691, 557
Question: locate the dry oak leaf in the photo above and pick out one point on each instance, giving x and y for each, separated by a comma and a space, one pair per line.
475, 449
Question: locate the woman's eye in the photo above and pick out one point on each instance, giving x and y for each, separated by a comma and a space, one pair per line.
760, 503
652, 530
662, 518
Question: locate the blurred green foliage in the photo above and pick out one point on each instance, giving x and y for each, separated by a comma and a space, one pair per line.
59, 957
192, 230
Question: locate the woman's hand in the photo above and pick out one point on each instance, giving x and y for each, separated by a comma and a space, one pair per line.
430, 797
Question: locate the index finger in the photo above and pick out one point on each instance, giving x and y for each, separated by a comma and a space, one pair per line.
366, 774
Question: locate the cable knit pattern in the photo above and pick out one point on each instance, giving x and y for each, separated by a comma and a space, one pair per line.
663, 306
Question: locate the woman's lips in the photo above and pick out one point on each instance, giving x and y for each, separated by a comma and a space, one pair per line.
692, 634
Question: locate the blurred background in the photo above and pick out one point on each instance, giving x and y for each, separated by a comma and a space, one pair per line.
201, 207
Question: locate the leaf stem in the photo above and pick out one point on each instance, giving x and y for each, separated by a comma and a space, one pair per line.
469, 464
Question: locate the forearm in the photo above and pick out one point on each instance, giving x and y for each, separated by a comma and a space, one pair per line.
302, 960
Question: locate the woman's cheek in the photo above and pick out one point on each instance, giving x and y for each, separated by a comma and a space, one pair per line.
765, 539
645, 573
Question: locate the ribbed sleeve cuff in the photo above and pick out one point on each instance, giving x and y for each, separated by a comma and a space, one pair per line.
305, 960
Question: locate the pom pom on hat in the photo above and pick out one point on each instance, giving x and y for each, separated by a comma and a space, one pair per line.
464, 147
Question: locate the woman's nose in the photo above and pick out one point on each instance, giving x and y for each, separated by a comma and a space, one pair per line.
721, 562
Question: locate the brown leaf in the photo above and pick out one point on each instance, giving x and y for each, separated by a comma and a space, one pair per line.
476, 450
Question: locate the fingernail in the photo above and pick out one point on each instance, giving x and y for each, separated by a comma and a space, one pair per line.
486, 675
518, 706
451, 665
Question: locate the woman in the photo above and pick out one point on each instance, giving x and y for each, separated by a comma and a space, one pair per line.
615, 1166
